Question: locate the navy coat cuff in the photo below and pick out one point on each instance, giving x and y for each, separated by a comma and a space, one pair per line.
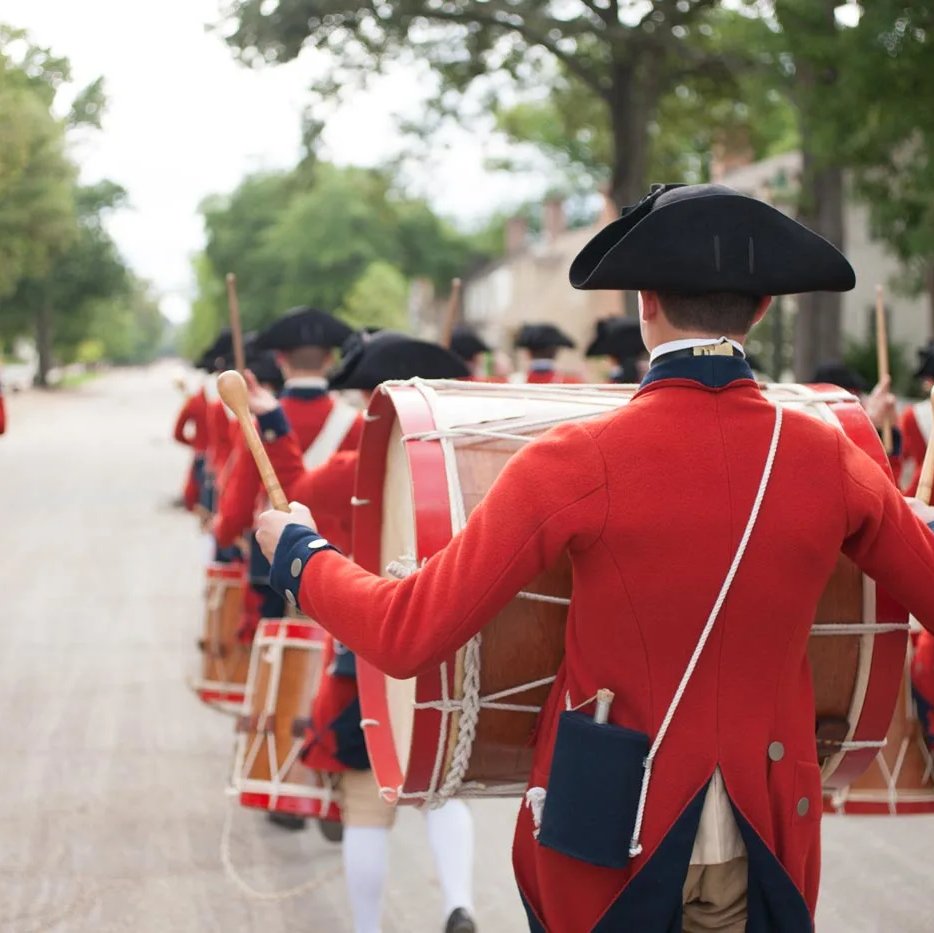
296, 547
273, 425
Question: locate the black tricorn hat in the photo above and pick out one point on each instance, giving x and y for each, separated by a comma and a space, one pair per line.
263, 365
466, 343
697, 239
390, 355
839, 374
618, 337
925, 362
542, 337
303, 327
218, 355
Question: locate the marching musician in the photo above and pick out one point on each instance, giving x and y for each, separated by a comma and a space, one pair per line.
620, 339
543, 342
473, 350
335, 739
703, 524
2, 413
916, 419
191, 429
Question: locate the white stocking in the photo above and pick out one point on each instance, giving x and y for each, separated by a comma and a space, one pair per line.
366, 861
450, 832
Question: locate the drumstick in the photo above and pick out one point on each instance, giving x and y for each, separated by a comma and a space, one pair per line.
232, 390
882, 353
236, 331
926, 482
450, 316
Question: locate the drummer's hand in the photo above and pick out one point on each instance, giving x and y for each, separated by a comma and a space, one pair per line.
261, 400
270, 524
881, 404
924, 511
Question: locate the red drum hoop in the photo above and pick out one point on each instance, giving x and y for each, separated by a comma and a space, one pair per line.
285, 669
420, 735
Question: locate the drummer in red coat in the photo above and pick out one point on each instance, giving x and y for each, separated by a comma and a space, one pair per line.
620, 339
335, 739
916, 420
698, 508
191, 429
543, 342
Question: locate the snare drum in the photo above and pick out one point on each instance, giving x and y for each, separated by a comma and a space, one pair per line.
224, 658
285, 668
430, 452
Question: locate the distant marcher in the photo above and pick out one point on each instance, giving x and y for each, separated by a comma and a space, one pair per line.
620, 339
916, 419
543, 343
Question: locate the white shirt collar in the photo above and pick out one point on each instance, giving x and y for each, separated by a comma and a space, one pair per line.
541, 366
689, 342
307, 382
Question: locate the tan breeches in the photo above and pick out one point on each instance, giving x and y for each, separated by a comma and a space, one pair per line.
361, 804
715, 897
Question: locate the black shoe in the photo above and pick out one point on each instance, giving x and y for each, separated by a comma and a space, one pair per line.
332, 830
460, 922
286, 820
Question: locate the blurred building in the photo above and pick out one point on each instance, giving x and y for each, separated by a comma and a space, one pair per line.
530, 281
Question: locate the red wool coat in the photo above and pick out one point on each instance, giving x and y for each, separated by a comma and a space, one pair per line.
2, 415
649, 553
243, 491
191, 427
551, 377
914, 445
218, 436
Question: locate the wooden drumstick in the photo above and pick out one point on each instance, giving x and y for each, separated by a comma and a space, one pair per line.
882, 355
450, 316
232, 390
236, 331
926, 482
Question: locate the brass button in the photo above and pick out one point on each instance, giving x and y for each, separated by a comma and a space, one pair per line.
803, 806
776, 751
296, 567
290, 597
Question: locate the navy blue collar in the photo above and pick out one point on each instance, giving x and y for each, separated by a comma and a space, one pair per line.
304, 393
711, 371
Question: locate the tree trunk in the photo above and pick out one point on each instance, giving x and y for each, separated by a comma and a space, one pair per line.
44, 344
632, 104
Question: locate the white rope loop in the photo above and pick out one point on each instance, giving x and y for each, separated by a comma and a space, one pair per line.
635, 846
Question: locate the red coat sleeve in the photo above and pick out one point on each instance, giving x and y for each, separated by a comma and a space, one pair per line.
185, 417
405, 626
2, 415
884, 537
239, 494
913, 448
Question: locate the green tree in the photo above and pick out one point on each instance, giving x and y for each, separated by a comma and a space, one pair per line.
379, 298
627, 53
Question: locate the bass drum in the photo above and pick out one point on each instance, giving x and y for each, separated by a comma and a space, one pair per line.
429, 453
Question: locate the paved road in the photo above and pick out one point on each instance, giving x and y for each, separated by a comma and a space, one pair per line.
111, 790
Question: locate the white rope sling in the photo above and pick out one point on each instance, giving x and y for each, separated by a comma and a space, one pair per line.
635, 846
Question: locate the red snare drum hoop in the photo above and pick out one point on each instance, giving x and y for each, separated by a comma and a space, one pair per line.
406, 405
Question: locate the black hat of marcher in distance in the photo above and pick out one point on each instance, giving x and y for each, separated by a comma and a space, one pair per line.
925, 362
618, 337
216, 358
542, 337
303, 327
698, 239
466, 343
838, 374
263, 365
390, 355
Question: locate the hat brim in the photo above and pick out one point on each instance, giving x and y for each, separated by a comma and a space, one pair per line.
717, 243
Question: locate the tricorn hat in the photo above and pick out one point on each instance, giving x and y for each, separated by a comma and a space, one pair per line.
618, 337
839, 374
303, 327
542, 337
466, 343
219, 355
390, 355
925, 368
697, 239
263, 365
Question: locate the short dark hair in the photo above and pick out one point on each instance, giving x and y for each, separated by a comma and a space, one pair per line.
723, 312
308, 358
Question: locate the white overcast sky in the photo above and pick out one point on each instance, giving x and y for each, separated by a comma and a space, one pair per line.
185, 120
